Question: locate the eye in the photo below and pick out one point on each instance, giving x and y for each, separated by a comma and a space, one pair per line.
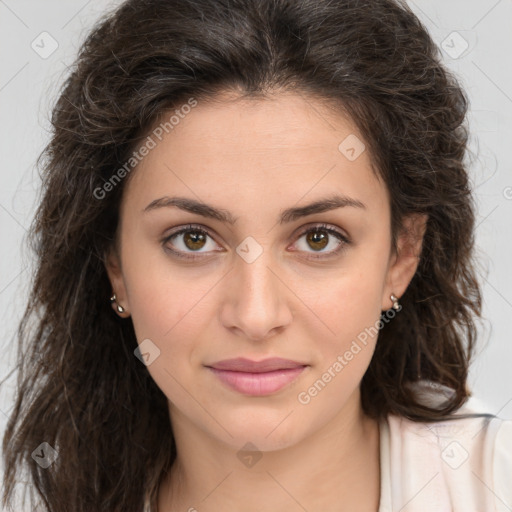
193, 238
321, 236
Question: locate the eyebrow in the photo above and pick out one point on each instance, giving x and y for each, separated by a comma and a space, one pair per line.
288, 215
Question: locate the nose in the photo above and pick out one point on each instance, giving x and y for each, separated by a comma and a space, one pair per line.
256, 298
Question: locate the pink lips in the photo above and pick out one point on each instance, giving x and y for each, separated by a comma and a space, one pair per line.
257, 378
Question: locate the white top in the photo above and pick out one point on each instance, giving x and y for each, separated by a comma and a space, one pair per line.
462, 465
456, 465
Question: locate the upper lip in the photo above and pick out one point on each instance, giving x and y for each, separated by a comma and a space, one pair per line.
240, 364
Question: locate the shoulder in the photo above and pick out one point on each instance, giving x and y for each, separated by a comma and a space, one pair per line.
502, 463
462, 463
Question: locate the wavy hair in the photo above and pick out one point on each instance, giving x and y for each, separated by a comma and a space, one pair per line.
80, 389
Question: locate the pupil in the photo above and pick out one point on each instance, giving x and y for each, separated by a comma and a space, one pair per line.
195, 238
320, 240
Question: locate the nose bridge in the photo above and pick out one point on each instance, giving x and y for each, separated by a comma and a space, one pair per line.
256, 274
252, 268
255, 295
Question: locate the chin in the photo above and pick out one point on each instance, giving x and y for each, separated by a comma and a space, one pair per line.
275, 431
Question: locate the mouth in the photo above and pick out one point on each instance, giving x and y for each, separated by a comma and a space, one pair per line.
257, 378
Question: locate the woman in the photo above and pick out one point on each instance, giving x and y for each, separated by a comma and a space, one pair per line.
255, 285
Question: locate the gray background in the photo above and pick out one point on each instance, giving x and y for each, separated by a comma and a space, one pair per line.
29, 79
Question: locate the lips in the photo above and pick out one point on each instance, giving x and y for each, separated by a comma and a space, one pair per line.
241, 364
257, 378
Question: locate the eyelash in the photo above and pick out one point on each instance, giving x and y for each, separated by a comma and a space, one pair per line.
317, 227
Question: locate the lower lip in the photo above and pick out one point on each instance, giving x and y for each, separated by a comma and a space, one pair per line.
258, 384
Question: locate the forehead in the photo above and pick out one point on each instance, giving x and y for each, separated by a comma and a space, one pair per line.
278, 148
276, 123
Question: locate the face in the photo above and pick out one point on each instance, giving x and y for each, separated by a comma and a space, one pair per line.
258, 275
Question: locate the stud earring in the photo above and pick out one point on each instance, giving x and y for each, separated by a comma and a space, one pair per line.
120, 308
396, 304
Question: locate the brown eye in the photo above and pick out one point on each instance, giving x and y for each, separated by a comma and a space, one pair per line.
188, 240
318, 239
194, 239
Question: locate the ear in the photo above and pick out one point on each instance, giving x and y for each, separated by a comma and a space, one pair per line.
403, 264
115, 274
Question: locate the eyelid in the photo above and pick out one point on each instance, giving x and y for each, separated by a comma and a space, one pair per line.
323, 225
331, 229
344, 239
183, 229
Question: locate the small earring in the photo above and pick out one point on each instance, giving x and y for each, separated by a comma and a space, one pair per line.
396, 304
120, 308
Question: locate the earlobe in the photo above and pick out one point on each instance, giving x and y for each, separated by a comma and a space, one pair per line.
405, 262
118, 299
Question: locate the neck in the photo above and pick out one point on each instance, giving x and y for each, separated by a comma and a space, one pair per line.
336, 468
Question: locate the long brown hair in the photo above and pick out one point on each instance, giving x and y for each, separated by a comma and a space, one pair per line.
80, 388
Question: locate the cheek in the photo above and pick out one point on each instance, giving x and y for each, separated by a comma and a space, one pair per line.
350, 303
351, 309
170, 310
163, 297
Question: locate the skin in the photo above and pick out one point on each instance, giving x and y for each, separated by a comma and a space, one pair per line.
255, 158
